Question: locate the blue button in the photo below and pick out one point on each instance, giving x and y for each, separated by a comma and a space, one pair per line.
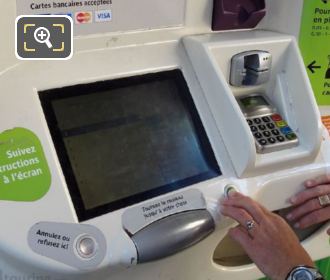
286, 130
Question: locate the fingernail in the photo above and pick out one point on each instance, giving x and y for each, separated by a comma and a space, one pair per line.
289, 216
309, 183
296, 225
293, 200
231, 194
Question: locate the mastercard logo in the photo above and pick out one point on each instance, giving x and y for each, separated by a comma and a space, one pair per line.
84, 17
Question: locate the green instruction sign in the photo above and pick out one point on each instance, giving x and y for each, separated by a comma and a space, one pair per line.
315, 46
24, 172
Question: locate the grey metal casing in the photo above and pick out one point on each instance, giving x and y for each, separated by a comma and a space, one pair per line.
250, 68
172, 234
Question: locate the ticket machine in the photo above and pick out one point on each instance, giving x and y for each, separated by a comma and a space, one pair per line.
113, 163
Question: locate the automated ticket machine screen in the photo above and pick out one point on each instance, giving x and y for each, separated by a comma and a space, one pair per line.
124, 141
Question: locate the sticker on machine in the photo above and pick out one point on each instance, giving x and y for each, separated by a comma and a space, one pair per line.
103, 16
24, 171
326, 122
138, 217
79, 246
314, 42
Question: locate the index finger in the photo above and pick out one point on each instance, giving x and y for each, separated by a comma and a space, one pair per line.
310, 193
236, 199
321, 180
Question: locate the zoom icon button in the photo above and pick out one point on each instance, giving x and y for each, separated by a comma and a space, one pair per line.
44, 37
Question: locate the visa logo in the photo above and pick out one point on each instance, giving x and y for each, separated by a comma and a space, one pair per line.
103, 16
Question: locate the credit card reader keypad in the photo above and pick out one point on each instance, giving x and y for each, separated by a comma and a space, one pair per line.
270, 130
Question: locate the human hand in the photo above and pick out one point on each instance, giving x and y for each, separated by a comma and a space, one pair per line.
308, 209
270, 243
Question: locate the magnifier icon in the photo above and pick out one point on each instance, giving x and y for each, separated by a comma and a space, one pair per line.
42, 35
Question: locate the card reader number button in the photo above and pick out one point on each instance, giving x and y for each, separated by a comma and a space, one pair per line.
270, 125
254, 129
271, 140
266, 133
257, 121
276, 117
281, 124
262, 127
291, 136
275, 132
263, 142
249, 122
258, 135
266, 119
286, 130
